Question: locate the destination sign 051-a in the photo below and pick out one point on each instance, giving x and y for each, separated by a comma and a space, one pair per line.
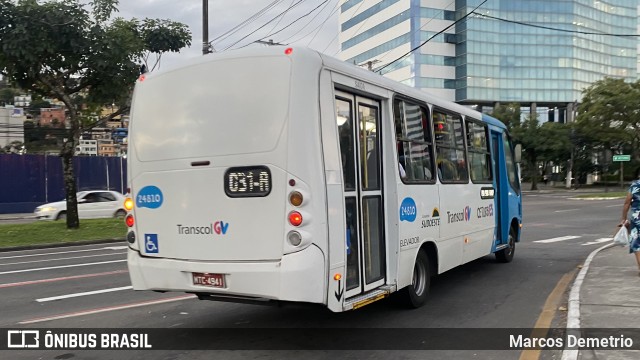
621, 157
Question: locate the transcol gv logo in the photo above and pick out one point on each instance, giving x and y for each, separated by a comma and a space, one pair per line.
467, 213
464, 215
218, 227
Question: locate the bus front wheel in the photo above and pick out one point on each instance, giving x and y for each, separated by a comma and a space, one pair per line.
415, 295
506, 255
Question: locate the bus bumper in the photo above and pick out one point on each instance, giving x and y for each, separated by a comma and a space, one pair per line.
299, 276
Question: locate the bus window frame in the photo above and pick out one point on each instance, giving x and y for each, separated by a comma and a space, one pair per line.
464, 142
431, 144
515, 185
487, 151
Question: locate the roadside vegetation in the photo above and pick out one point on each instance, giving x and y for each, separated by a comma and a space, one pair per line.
607, 195
55, 232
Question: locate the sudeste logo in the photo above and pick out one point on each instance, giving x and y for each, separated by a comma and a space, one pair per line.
408, 210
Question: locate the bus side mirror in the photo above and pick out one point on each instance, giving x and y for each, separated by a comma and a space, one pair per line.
517, 153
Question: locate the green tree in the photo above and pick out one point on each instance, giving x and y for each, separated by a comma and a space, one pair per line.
70, 50
508, 114
542, 143
7, 95
608, 122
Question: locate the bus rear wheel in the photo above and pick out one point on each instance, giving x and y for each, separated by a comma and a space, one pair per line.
415, 295
506, 255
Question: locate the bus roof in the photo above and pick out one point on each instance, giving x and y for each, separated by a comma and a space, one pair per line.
345, 68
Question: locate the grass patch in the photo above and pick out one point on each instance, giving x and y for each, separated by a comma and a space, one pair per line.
620, 194
54, 232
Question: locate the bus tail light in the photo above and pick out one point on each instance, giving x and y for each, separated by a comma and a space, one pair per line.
295, 218
296, 198
128, 204
131, 237
129, 220
294, 238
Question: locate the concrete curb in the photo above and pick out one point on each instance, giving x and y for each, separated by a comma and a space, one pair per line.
573, 313
600, 198
58, 245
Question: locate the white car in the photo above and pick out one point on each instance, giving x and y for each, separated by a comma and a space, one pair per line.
91, 204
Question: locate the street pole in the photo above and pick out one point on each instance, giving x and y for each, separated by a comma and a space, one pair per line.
205, 27
621, 174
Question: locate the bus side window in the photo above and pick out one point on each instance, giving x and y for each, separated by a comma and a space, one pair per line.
478, 150
451, 159
413, 139
347, 151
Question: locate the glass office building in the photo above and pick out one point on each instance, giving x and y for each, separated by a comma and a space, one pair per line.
541, 52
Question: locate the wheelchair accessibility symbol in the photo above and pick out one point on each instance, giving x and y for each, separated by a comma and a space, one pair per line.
151, 243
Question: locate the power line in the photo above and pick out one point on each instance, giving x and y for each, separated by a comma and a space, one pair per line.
267, 23
319, 27
421, 27
296, 20
429, 39
335, 37
309, 23
278, 23
248, 21
552, 28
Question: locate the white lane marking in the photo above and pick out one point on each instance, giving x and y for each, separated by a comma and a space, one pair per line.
59, 259
106, 309
86, 293
573, 314
60, 267
559, 211
32, 282
94, 248
598, 241
563, 238
618, 205
64, 252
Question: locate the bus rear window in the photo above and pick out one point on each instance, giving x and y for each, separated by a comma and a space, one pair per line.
192, 112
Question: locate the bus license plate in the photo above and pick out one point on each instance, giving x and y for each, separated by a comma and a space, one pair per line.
206, 279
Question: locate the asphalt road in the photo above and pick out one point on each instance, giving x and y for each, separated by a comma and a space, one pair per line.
88, 286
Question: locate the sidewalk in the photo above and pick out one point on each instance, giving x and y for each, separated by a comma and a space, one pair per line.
610, 298
17, 216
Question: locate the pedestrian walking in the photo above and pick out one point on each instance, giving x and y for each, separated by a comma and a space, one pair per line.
633, 202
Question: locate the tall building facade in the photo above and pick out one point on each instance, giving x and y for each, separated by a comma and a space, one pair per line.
539, 53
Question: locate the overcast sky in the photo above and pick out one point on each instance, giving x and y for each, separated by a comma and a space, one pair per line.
224, 15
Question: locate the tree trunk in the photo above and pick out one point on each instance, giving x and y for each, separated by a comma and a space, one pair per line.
67, 153
70, 186
534, 173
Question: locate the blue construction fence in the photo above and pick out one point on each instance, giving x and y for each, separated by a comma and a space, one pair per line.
27, 181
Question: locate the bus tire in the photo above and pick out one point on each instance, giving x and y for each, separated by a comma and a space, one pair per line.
415, 295
506, 255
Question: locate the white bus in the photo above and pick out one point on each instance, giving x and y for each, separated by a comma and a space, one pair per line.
284, 175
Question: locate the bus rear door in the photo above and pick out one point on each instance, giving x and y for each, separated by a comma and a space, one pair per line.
358, 120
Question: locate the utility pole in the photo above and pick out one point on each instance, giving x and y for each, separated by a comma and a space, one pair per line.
205, 27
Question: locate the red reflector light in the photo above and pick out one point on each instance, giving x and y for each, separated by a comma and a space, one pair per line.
129, 220
288, 51
295, 218
141, 78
